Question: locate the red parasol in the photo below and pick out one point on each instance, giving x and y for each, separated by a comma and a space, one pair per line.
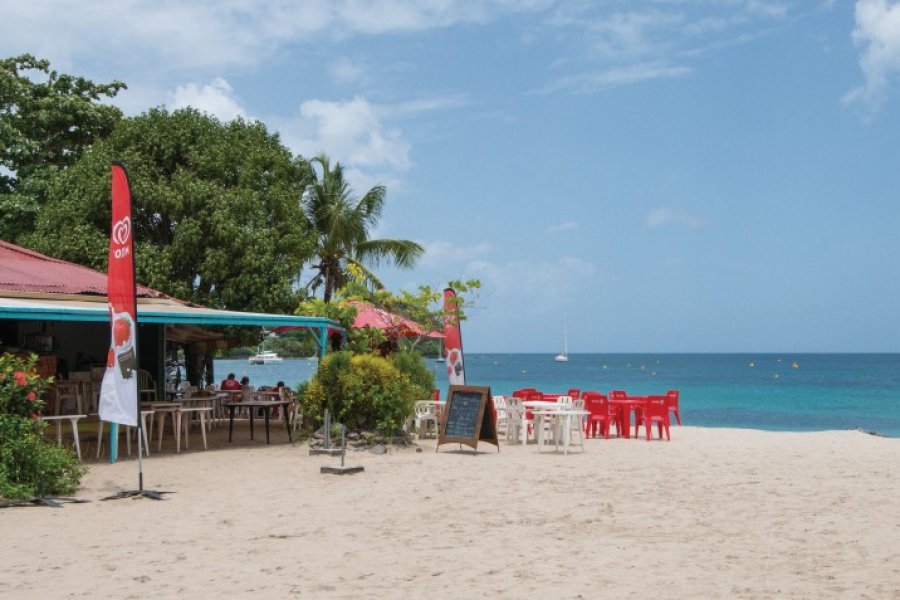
393, 325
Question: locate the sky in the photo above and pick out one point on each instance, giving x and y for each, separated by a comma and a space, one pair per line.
660, 175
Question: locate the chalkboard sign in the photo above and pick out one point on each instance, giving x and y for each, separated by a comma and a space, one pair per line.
468, 416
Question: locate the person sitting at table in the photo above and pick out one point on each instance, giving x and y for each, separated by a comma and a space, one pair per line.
230, 384
277, 388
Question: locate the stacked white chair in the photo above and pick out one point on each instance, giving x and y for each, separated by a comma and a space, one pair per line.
500, 408
516, 425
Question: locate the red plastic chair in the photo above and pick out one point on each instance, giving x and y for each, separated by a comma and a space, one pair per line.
436, 395
602, 414
623, 413
575, 393
656, 410
672, 404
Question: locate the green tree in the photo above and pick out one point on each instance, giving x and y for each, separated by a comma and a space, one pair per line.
216, 214
342, 226
47, 120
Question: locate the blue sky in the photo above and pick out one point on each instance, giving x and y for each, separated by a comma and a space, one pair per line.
672, 175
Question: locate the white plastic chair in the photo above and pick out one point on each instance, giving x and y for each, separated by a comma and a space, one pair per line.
424, 414
500, 407
516, 425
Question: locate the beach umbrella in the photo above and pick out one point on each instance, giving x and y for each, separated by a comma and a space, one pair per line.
392, 324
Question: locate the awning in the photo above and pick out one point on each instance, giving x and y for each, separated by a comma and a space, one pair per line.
149, 310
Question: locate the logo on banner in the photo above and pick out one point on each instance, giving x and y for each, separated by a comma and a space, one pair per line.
121, 232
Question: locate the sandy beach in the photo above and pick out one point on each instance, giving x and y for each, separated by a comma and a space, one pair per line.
716, 513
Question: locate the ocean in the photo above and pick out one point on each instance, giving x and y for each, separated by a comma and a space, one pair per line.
776, 392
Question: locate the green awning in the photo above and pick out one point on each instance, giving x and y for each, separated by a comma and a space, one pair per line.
150, 311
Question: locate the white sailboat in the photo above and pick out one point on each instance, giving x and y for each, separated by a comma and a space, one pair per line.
564, 355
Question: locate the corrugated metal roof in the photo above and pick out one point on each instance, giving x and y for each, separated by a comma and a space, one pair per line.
148, 311
23, 270
37, 287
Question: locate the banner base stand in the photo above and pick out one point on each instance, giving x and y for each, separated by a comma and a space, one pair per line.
50, 501
137, 494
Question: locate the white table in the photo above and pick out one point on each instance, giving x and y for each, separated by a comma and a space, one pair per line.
536, 408
562, 427
73, 419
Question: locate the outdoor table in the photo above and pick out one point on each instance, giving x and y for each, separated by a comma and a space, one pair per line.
561, 429
160, 410
73, 420
538, 409
624, 408
267, 406
213, 401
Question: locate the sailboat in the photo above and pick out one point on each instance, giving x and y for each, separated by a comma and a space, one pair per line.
564, 355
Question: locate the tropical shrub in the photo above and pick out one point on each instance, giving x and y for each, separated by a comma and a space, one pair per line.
412, 364
29, 466
364, 392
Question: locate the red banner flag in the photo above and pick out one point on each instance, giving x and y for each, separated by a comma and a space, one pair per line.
453, 350
118, 393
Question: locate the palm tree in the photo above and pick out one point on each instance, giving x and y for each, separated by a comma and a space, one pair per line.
342, 227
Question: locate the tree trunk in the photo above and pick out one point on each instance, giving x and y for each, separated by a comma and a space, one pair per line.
194, 357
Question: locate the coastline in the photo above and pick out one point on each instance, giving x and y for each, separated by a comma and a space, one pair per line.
715, 513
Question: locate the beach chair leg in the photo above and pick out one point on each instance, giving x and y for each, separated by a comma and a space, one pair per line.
76, 438
180, 422
203, 427
99, 438
160, 426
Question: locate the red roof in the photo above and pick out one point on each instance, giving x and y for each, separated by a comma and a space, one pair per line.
23, 270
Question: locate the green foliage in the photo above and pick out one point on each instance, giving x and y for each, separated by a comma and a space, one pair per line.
29, 466
377, 395
413, 366
20, 386
216, 214
342, 227
424, 306
363, 391
47, 120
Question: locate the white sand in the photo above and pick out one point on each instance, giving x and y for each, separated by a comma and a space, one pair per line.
715, 513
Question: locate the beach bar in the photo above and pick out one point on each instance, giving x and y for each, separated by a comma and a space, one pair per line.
58, 310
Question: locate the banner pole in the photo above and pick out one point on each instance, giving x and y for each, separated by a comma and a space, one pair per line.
113, 443
123, 235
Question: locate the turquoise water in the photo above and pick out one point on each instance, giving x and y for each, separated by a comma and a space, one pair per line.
824, 391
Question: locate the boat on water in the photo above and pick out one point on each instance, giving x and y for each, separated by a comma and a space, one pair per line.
564, 355
265, 357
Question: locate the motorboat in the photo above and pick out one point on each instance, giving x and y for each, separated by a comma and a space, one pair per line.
265, 357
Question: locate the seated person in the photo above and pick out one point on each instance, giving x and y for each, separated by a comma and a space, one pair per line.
230, 384
277, 388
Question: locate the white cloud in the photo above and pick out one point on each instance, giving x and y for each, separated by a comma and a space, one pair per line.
649, 40
586, 83
878, 32
665, 217
545, 285
345, 71
566, 226
441, 253
216, 98
350, 132
219, 33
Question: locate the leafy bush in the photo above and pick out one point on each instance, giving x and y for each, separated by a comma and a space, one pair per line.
29, 466
412, 364
365, 392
